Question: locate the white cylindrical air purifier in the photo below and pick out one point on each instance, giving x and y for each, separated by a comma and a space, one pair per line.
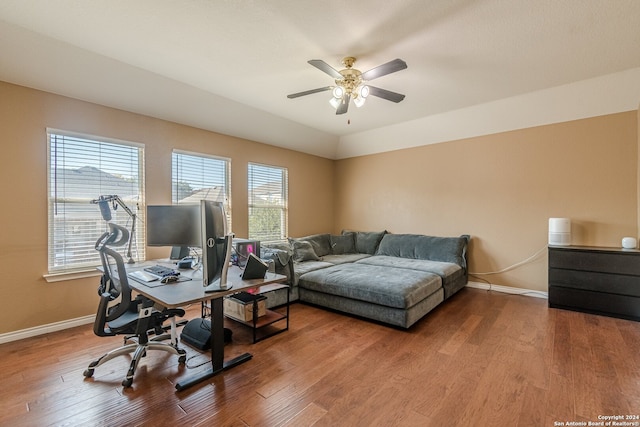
560, 231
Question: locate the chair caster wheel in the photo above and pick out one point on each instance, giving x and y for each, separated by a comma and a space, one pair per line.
127, 382
88, 373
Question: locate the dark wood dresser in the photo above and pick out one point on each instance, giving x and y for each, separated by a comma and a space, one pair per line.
595, 280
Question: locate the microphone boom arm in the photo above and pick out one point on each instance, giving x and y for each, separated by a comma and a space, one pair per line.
116, 199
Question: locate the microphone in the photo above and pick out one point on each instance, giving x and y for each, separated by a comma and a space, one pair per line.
105, 210
103, 204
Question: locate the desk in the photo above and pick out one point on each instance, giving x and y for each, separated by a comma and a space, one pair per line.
192, 291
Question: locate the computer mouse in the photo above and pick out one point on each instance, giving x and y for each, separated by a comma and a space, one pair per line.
169, 279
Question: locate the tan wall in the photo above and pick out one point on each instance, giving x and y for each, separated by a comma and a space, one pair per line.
24, 116
501, 189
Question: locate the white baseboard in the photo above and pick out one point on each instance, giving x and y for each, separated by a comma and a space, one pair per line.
45, 329
509, 290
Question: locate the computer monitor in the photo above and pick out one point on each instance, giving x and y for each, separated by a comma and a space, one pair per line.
216, 246
178, 226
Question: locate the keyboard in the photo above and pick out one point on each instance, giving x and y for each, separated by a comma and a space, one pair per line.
161, 271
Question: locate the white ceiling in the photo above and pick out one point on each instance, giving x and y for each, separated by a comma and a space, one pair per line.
227, 66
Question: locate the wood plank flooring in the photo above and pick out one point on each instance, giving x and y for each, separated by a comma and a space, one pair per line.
482, 359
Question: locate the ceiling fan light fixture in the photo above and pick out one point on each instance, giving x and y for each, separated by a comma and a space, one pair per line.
363, 91
351, 83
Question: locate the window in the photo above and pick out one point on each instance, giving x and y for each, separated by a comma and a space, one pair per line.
267, 202
198, 177
81, 169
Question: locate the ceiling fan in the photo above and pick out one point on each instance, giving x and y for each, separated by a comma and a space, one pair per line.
353, 84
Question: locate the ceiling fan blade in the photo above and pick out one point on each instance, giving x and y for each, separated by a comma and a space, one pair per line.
308, 92
384, 69
344, 105
385, 94
323, 66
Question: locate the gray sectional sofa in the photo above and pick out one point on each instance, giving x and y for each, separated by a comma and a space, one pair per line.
391, 278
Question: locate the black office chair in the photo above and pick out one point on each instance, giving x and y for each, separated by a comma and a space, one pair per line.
118, 314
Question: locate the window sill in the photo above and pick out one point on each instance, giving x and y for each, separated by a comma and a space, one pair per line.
73, 275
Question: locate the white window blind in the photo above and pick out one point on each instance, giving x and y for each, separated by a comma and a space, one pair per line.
268, 205
81, 169
198, 177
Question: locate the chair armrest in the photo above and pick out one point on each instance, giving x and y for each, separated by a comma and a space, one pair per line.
101, 317
173, 312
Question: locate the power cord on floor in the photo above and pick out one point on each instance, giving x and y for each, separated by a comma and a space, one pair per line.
509, 268
186, 363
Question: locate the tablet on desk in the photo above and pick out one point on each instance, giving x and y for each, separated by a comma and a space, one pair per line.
142, 276
153, 281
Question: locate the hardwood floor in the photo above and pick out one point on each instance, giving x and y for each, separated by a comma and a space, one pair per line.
482, 359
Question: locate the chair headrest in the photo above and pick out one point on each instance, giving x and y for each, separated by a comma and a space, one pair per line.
119, 235
116, 236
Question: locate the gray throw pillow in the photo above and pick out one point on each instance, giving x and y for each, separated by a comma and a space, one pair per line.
320, 243
344, 244
303, 251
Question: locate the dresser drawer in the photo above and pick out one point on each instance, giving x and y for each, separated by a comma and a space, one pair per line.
595, 302
617, 262
598, 282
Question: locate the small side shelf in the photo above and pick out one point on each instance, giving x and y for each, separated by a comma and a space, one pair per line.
270, 317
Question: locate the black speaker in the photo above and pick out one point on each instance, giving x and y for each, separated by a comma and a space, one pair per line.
255, 268
197, 333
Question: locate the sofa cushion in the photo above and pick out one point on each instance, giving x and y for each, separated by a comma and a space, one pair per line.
342, 259
303, 251
367, 241
448, 271
320, 242
343, 244
391, 287
416, 246
300, 268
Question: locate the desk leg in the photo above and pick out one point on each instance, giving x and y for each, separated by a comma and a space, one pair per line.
217, 349
217, 334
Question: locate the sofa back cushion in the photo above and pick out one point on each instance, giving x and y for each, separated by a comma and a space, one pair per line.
343, 244
416, 246
320, 242
366, 241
